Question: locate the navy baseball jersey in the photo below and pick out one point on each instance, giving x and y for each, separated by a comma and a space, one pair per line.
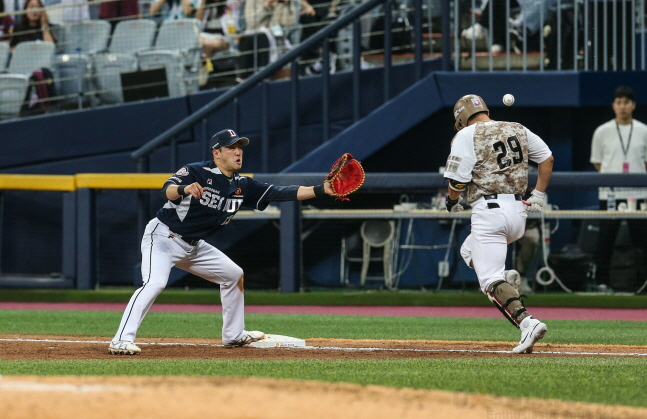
200, 218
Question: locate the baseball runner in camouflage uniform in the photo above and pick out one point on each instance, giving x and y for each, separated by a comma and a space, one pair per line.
489, 162
202, 198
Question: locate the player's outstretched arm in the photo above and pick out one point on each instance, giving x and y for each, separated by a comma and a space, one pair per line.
308, 192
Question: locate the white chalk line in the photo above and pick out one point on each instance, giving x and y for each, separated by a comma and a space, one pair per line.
337, 348
72, 388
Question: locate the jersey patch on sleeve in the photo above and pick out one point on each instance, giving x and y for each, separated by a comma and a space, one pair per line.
182, 172
453, 163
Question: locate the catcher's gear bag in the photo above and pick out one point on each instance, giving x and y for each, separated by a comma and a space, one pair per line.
346, 176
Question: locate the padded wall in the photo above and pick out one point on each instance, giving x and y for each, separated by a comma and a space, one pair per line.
564, 108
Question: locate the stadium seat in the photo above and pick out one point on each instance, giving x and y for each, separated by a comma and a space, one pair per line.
73, 79
13, 89
31, 55
177, 49
129, 37
73, 74
89, 37
4, 55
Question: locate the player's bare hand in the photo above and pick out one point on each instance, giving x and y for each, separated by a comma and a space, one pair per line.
328, 189
195, 189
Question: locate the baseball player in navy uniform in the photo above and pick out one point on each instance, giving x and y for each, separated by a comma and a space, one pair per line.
489, 162
202, 198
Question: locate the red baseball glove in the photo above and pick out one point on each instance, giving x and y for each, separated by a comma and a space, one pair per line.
346, 176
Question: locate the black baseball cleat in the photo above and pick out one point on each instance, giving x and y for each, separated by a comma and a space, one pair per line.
247, 338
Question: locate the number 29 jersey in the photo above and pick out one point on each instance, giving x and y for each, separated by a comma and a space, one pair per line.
492, 158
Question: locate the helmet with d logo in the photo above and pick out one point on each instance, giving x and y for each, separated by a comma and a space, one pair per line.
466, 107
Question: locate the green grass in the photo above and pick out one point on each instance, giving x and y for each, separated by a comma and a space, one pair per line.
595, 380
333, 298
607, 380
208, 325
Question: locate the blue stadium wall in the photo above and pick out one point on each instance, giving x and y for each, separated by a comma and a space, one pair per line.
563, 108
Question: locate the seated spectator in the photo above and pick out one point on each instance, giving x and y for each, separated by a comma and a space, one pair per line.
210, 12
116, 11
500, 23
218, 23
566, 35
174, 9
527, 12
6, 25
276, 19
34, 26
269, 24
271, 14
316, 14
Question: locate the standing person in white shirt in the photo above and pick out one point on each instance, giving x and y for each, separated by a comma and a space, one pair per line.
619, 146
489, 163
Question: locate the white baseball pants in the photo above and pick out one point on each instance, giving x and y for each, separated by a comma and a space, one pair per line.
486, 247
160, 252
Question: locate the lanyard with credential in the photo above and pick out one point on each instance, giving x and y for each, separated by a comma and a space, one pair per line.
625, 164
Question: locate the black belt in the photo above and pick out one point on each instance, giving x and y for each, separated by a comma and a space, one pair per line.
517, 197
189, 240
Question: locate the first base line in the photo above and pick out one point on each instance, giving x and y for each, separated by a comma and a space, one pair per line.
337, 348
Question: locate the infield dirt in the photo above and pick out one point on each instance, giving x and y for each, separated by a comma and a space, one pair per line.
67, 347
233, 397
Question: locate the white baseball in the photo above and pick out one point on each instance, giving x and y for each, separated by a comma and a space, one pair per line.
508, 99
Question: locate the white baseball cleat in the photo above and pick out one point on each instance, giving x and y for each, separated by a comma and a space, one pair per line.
513, 278
247, 338
123, 347
476, 31
531, 331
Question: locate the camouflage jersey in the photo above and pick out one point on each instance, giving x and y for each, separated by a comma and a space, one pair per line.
492, 158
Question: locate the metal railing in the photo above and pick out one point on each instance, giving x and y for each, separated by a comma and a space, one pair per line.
541, 35
170, 136
597, 35
291, 58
